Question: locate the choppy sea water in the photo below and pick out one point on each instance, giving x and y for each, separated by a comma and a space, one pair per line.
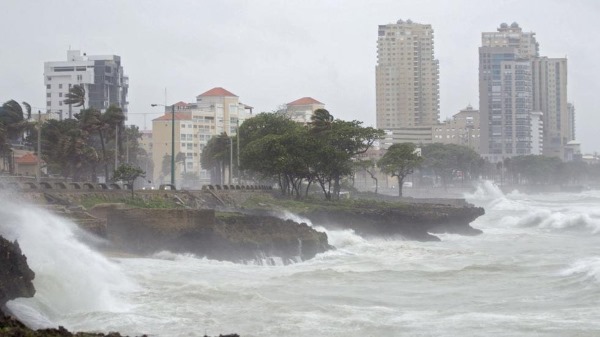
534, 272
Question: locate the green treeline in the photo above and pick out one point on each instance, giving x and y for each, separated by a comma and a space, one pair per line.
81, 148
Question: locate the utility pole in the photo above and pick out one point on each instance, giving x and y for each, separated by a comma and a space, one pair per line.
237, 135
38, 171
116, 147
230, 160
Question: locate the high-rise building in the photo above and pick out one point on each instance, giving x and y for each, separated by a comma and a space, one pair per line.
521, 93
102, 77
550, 97
407, 78
571, 109
215, 111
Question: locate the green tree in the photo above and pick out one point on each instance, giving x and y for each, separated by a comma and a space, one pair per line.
321, 120
399, 161
340, 142
278, 148
215, 157
447, 159
535, 169
75, 97
129, 174
14, 118
103, 126
369, 166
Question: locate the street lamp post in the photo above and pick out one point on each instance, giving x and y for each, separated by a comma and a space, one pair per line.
172, 142
38, 171
230, 160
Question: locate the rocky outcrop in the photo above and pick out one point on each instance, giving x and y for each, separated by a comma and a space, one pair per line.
412, 221
229, 236
15, 276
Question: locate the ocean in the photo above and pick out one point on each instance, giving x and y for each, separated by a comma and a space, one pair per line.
535, 271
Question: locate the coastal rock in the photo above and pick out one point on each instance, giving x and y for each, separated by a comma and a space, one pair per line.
230, 236
412, 221
15, 276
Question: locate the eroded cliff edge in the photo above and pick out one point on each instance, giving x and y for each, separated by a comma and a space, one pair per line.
16, 278
222, 236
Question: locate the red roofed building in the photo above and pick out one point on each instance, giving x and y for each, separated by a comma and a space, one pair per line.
215, 111
26, 165
302, 109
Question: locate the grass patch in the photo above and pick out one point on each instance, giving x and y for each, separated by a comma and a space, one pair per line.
317, 204
90, 201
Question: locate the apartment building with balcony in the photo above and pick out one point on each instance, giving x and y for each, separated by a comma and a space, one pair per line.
102, 76
215, 111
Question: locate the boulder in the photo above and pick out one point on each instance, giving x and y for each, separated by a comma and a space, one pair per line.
230, 236
15, 276
411, 221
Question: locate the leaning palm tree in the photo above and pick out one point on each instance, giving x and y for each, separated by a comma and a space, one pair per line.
14, 117
75, 97
321, 120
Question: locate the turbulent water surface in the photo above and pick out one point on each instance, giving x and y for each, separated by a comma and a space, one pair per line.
534, 272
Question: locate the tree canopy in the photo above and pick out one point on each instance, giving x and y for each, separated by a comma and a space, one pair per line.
129, 174
275, 147
399, 161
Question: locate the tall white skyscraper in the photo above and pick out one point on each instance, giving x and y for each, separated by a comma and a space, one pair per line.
102, 77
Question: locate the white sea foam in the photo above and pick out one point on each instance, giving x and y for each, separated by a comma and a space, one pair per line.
512, 280
70, 277
589, 268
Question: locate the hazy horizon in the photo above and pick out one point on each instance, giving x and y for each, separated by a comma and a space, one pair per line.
273, 52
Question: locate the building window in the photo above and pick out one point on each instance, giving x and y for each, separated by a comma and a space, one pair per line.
60, 94
60, 86
48, 103
48, 95
48, 86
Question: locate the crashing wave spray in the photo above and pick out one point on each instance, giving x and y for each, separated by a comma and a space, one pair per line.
70, 278
337, 238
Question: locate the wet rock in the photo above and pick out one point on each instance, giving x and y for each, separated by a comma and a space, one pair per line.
15, 275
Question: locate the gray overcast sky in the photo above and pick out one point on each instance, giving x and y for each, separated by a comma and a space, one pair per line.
273, 52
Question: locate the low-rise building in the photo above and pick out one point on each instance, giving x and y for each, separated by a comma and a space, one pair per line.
462, 129
301, 110
215, 112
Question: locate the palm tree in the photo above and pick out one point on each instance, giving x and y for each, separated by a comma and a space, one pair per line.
321, 120
75, 97
93, 121
12, 117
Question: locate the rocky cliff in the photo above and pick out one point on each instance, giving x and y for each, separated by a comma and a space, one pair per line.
15, 276
224, 236
410, 221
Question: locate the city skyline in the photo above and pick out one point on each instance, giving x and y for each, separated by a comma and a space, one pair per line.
260, 54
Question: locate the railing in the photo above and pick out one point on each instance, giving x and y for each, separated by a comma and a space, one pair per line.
102, 187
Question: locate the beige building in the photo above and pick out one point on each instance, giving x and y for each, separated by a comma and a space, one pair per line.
407, 80
550, 97
462, 129
215, 112
302, 109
